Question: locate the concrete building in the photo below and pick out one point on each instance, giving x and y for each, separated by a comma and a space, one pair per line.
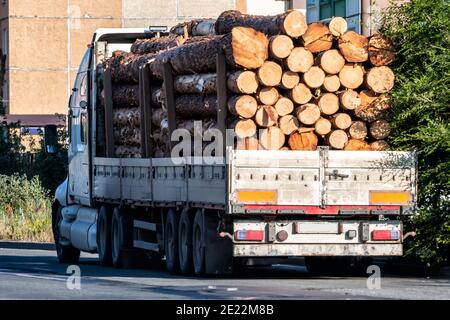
42, 43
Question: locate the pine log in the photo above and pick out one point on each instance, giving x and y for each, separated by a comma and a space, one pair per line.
372, 107
127, 117
351, 76
380, 145
350, 99
242, 82
301, 94
292, 23
268, 96
331, 83
314, 77
284, 106
303, 141
357, 145
322, 127
244, 106
289, 80
156, 44
328, 103
381, 50
341, 121
269, 74
199, 27
280, 46
245, 128
380, 129
127, 95
159, 117
272, 138
196, 83
127, 136
358, 130
380, 79
288, 124
300, 60
266, 116
337, 139
127, 151
125, 66
338, 26
248, 143
308, 113
331, 61
196, 106
317, 37
354, 47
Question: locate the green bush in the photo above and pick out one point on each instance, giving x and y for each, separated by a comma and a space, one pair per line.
421, 114
25, 209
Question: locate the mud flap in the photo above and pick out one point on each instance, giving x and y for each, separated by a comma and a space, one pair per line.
218, 251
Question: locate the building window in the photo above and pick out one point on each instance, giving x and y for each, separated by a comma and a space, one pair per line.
5, 41
318, 10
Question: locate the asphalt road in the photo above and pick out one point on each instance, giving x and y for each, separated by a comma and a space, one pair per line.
35, 274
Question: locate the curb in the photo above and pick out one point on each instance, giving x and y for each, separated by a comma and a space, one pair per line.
26, 245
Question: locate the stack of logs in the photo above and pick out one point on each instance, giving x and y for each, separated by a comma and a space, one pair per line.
291, 86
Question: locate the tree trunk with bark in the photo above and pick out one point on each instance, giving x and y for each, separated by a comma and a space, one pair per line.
354, 47
243, 82
381, 50
303, 141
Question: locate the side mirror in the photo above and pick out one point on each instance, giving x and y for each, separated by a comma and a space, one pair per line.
51, 139
83, 104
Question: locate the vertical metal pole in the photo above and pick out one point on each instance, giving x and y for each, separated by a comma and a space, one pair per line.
146, 107
170, 100
109, 131
221, 83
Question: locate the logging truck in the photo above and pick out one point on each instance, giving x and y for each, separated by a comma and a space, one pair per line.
208, 215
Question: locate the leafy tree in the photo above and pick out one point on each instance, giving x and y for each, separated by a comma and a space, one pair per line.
420, 114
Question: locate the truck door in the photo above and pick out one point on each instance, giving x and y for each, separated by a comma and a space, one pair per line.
79, 181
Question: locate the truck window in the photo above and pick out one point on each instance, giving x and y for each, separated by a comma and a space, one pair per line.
83, 127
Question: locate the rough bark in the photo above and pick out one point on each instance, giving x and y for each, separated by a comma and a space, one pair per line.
127, 117
196, 107
303, 141
300, 60
143, 46
381, 50
358, 130
308, 114
127, 95
199, 27
244, 106
351, 76
380, 145
127, 151
380, 129
125, 66
317, 37
354, 47
373, 106
243, 82
196, 83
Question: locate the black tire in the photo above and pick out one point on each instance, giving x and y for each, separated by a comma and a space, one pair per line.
104, 236
337, 266
65, 253
185, 242
171, 242
198, 246
315, 265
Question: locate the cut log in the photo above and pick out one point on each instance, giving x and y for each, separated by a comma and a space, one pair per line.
331, 83
314, 77
380, 145
127, 136
272, 138
284, 106
266, 116
196, 107
338, 26
159, 118
317, 37
244, 106
125, 66
328, 103
248, 143
358, 130
380, 129
354, 47
289, 80
156, 44
195, 83
127, 117
381, 50
351, 76
308, 113
269, 74
341, 121
337, 139
300, 60
245, 128
268, 96
127, 95
199, 27
303, 141
357, 145
244, 47
301, 94
380, 79
331, 61
288, 124
350, 100
280, 46
322, 127
127, 151
243, 82
292, 23
372, 107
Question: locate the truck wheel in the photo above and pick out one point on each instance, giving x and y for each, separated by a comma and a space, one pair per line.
104, 236
316, 265
171, 242
198, 247
65, 253
185, 242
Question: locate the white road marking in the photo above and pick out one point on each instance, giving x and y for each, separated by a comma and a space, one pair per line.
25, 275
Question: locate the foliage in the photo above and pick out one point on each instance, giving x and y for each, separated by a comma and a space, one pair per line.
420, 114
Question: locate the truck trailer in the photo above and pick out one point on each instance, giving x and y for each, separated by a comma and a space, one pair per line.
208, 215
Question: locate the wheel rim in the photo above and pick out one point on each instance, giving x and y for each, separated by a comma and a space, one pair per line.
115, 242
170, 243
183, 243
197, 245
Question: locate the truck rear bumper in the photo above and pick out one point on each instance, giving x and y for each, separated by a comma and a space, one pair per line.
279, 250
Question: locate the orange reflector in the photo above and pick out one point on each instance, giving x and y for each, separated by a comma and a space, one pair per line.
392, 197
256, 196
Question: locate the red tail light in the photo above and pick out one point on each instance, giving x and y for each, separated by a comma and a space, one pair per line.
385, 235
249, 235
